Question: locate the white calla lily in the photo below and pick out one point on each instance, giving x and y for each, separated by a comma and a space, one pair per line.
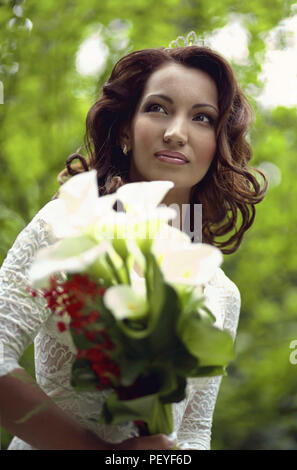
79, 205
137, 280
139, 198
79, 190
68, 255
126, 301
143, 217
194, 264
80, 210
168, 238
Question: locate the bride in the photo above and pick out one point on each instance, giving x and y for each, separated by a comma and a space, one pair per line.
164, 114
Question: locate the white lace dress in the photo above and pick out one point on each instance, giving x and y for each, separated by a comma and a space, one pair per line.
23, 321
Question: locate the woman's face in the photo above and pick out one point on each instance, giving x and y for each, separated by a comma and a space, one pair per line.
177, 112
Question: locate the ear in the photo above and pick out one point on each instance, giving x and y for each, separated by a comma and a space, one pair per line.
125, 136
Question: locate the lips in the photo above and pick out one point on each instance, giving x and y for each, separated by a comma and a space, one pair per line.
173, 155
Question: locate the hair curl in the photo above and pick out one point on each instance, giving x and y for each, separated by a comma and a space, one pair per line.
230, 189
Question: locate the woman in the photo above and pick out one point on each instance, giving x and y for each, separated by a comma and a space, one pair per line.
164, 114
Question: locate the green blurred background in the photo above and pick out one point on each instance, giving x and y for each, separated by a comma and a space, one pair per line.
42, 121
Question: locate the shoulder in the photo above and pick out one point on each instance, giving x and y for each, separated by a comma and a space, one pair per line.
47, 212
41, 223
37, 234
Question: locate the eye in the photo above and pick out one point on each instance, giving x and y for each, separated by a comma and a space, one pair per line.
153, 107
202, 117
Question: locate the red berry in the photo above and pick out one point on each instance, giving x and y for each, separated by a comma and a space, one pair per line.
61, 326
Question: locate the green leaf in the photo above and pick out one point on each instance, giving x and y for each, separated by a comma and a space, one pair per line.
131, 368
172, 387
164, 374
213, 347
183, 361
164, 338
157, 415
191, 305
189, 302
178, 394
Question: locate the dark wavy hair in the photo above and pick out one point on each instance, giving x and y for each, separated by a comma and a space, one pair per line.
230, 189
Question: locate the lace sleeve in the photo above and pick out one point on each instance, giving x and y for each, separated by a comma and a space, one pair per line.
195, 429
20, 314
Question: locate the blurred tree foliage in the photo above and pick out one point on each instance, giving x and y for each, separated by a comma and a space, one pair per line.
257, 408
42, 122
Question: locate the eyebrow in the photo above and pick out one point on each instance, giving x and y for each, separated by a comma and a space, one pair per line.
166, 98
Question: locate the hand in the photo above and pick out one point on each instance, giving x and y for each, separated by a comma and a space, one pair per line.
155, 442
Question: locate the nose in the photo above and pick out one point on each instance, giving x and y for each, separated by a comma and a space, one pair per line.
176, 132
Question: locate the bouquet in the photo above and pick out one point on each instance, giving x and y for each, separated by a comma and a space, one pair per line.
128, 287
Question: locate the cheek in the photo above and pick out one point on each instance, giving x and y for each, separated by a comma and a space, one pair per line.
145, 134
206, 148
213, 148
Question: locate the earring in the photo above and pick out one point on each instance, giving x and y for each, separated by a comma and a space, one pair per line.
125, 149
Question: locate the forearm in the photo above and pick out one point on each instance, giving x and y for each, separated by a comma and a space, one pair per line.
50, 428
